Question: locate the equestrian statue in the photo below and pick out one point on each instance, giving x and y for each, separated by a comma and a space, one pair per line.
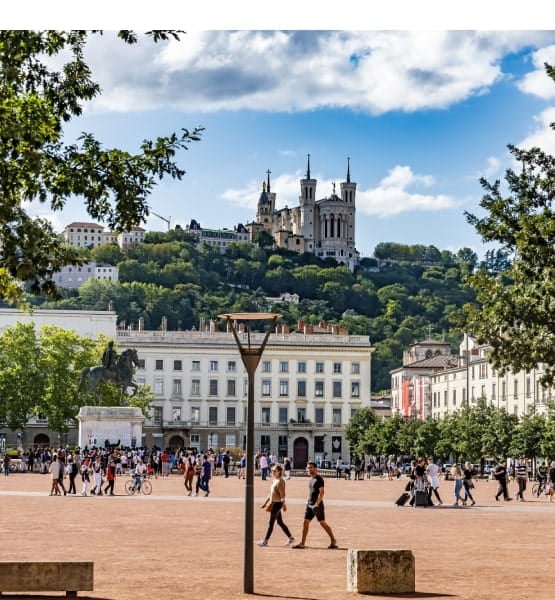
116, 370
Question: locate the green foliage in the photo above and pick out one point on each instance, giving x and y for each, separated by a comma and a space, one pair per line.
36, 100
359, 424
515, 307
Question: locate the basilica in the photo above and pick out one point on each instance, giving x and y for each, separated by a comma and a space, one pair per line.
324, 227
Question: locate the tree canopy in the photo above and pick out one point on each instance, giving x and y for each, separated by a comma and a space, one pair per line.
36, 165
515, 308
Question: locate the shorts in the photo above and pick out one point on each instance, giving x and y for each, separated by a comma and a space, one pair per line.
311, 512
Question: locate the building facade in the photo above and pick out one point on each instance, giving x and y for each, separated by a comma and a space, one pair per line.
74, 276
324, 227
307, 386
90, 235
220, 238
443, 383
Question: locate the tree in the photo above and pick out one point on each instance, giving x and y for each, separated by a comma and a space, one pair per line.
515, 309
36, 100
357, 427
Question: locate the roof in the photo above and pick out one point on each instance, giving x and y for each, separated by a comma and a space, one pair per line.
83, 224
435, 362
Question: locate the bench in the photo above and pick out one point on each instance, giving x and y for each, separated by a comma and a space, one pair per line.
50, 576
380, 571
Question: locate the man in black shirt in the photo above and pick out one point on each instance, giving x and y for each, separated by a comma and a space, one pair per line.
315, 506
521, 474
500, 474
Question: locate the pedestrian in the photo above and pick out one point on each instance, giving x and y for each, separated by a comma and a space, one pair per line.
242, 466
110, 477
286, 468
56, 471
500, 474
275, 504
521, 474
72, 472
315, 506
189, 474
457, 475
338, 468
226, 460
6, 465
263, 466
205, 475
97, 474
432, 473
85, 475
468, 482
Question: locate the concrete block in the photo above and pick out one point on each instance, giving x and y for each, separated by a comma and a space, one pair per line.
50, 576
380, 571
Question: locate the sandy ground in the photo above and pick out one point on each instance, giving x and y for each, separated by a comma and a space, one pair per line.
169, 546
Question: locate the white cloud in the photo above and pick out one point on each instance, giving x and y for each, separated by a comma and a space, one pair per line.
543, 136
374, 72
393, 195
537, 82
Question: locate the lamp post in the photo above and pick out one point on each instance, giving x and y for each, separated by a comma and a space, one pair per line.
250, 355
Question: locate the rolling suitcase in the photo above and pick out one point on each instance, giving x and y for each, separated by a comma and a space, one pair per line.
402, 499
420, 498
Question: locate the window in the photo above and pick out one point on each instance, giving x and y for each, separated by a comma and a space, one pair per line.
337, 368
503, 390
319, 415
266, 366
158, 386
355, 368
283, 415
230, 415
301, 388
355, 389
301, 367
337, 389
195, 440
177, 387
157, 415
283, 366
319, 388
231, 366
212, 415
265, 415
159, 365
336, 417
515, 388
319, 367
231, 387
213, 387
195, 365
283, 446
177, 365
141, 363
266, 387
195, 415
454, 397
284, 387
213, 365
353, 412
176, 413
195, 387
301, 414
528, 386
265, 443
493, 391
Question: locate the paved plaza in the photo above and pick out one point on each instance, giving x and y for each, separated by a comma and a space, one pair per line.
168, 546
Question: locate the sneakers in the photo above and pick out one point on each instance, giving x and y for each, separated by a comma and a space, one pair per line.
290, 541
262, 543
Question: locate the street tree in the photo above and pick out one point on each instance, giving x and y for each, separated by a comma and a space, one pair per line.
37, 100
359, 424
515, 309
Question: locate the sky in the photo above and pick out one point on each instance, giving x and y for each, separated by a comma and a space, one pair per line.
423, 104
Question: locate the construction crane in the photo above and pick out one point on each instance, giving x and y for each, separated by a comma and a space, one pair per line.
163, 218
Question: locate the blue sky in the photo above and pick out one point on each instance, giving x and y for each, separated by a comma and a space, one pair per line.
422, 114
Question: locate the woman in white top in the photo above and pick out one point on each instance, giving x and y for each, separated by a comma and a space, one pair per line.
432, 473
274, 504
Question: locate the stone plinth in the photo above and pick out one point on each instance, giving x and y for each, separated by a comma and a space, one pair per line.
380, 571
48, 576
98, 424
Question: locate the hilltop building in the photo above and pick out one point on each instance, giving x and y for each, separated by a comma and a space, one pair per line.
324, 227
90, 235
220, 238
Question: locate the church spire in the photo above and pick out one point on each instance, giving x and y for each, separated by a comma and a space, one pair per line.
268, 186
308, 168
348, 169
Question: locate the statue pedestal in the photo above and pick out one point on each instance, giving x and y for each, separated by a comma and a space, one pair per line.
98, 424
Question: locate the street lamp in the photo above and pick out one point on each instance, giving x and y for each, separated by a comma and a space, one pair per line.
250, 355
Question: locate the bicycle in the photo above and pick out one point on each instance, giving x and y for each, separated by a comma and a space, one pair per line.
539, 488
145, 487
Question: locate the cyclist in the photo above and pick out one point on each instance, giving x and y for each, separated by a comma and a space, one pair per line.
541, 476
138, 474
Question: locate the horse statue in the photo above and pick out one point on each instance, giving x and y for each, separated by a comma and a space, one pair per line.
121, 375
